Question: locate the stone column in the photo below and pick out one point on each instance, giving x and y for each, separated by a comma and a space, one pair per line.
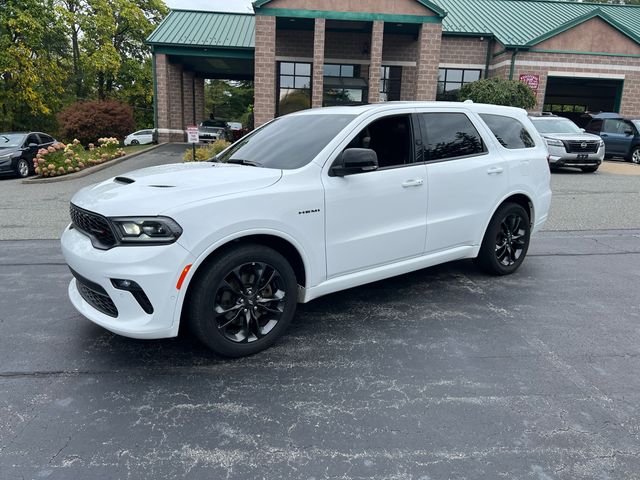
200, 113
377, 35
188, 96
264, 105
428, 60
162, 97
317, 80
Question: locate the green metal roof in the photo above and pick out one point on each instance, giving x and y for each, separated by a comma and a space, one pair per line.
525, 23
188, 28
521, 23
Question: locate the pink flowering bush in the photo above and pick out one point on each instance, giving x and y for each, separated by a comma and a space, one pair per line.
60, 159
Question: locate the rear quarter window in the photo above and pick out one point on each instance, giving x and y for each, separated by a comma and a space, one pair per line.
509, 131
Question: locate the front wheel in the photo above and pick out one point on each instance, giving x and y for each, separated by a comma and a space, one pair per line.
135, 142
244, 301
635, 155
22, 168
506, 240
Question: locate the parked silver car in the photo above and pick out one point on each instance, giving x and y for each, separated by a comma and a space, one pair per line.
569, 145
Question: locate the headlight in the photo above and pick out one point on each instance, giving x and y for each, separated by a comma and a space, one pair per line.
601, 144
5, 157
146, 230
554, 143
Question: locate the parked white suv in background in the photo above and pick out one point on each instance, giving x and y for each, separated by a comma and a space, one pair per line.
309, 204
569, 146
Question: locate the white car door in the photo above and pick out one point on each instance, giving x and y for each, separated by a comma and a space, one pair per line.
377, 217
466, 178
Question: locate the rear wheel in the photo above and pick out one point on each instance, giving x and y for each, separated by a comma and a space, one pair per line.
244, 301
589, 169
22, 168
135, 142
506, 240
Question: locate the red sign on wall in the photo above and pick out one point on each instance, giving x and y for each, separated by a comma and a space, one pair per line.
532, 80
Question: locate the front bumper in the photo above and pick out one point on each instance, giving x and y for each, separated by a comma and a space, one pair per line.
155, 268
559, 157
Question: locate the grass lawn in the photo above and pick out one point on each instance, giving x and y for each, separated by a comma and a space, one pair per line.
135, 148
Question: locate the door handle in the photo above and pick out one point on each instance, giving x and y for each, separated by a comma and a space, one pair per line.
414, 182
495, 170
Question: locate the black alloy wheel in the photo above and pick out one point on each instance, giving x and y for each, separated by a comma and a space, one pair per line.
249, 302
506, 240
243, 301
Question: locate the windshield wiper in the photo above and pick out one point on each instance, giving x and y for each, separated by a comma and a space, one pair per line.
240, 161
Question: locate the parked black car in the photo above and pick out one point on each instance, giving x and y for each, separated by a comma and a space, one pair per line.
18, 149
621, 135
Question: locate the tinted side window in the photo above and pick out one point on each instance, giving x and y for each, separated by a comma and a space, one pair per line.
612, 126
33, 138
510, 132
594, 126
390, 138
450, 135
45, 138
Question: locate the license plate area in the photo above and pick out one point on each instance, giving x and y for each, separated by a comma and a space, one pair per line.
583, 156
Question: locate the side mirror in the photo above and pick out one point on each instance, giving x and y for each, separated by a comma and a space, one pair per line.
628, 132
355, 160
582, 130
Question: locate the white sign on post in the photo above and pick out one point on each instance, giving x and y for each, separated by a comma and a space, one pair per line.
192, 134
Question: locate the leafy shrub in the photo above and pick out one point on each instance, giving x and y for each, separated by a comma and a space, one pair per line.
60, 159
205, 152
499, 92
89, 121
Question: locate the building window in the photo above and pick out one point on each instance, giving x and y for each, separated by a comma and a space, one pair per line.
390, 82
563, 108
342, 85
451, 80
294, 87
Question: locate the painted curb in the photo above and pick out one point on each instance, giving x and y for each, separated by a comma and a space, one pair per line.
90, 170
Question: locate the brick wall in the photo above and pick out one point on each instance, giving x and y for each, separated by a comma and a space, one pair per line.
188, 94
375, 61
352, 45
428, 59
170, 102
200, 114
264, 107
294, 43
399, 48
464, 50
317, 81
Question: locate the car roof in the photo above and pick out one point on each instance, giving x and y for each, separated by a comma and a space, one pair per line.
388, 106
607, 115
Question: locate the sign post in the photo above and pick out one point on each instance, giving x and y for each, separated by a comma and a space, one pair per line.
193, 138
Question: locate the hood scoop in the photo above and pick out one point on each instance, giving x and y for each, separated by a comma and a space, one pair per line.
162, 186
123, 180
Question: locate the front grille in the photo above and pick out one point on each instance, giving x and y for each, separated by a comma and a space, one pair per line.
95, 226
95, 295
586, 146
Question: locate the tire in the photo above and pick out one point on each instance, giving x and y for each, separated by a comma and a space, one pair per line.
22, 168
135, 142
589, 169
502, 252
235, 322
635, 155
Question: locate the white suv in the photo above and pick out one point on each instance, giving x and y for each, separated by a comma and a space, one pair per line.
309, 204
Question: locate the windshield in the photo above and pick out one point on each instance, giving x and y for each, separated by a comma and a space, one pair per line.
287, 142
555, 125
636, 123
8, 140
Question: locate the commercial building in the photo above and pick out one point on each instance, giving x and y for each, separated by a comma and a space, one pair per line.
312, 53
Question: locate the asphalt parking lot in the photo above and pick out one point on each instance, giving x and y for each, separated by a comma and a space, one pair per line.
442, 373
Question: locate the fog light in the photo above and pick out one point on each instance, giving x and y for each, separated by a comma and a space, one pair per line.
122, 284
136, 291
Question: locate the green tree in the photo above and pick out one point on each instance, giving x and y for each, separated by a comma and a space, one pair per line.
228, 100
498, 91
32, 62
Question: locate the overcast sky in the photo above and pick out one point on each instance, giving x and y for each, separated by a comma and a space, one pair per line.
212, 5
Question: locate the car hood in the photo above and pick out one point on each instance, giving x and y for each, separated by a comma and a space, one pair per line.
151, 191
9, 151
575, 137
